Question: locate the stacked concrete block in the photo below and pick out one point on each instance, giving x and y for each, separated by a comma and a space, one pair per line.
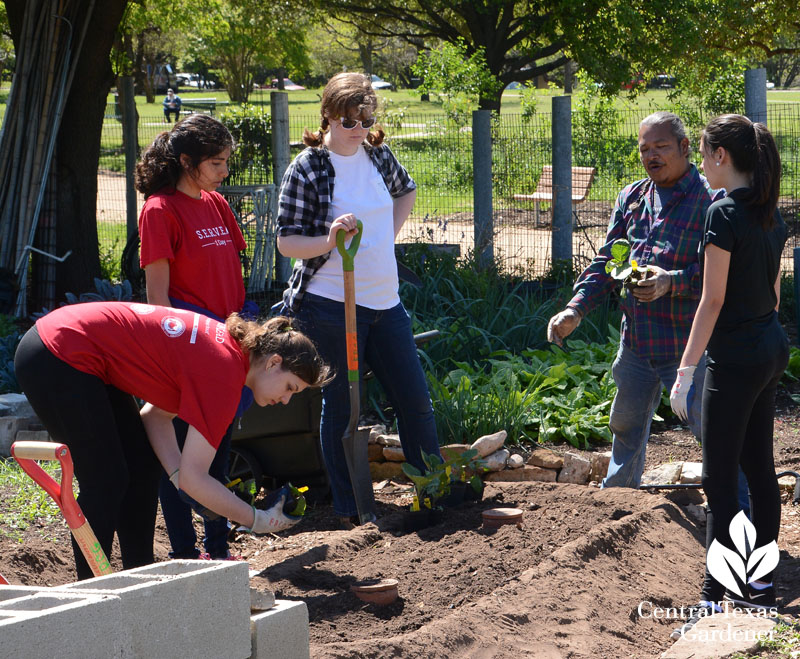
192, 609
17, 422
278, 633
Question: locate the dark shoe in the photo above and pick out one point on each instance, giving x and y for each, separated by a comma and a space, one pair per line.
700, 611
754, 599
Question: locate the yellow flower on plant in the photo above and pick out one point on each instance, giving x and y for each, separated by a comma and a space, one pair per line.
634, 264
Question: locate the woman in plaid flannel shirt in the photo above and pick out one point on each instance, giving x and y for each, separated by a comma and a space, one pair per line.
347, 174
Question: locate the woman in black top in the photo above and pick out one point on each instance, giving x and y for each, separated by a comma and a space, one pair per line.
747, 352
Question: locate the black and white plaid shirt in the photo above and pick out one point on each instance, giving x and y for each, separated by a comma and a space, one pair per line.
305, 204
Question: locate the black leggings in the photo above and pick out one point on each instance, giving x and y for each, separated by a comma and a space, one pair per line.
737, 421
116, 468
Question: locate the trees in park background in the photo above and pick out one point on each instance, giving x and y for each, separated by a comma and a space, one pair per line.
513, 40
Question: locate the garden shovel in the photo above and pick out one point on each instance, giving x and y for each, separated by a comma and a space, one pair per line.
355, 452
26, 452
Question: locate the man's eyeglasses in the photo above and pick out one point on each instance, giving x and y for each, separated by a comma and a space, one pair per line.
350, 124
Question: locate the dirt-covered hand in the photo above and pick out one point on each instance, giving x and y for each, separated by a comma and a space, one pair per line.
562, 325
658, 283
682, 391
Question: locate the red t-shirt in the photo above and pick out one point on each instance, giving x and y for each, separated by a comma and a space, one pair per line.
202, 241
180, 361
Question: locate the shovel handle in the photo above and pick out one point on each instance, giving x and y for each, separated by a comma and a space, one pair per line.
26, 453
349, 253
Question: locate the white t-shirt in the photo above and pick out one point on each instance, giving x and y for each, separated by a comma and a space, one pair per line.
358, 188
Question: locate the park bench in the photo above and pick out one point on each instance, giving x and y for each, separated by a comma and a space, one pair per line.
205, 105
582, 178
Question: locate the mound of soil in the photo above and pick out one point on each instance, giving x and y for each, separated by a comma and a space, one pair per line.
567, 583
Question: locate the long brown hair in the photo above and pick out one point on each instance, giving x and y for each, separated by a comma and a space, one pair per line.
344, 94
277, 336
199, 136
753, 151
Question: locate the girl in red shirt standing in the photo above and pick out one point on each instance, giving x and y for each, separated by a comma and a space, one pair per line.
81, 367
190, 244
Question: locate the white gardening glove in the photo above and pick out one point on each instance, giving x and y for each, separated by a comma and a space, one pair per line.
273, 519
680, 398
173, 478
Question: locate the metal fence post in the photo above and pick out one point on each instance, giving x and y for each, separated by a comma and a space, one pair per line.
755, 95
562, 182
279, 109
130, 131
482, 187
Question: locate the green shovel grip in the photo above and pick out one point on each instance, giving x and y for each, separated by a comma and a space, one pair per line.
350, 253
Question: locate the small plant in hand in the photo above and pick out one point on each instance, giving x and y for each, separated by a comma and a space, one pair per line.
623, 268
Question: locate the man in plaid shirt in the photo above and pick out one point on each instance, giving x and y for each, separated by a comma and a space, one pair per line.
662, 217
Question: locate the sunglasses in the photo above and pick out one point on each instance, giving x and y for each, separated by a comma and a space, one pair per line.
350, 124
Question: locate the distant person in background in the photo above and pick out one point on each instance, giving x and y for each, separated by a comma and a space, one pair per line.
190, 256
737, 326
172, 104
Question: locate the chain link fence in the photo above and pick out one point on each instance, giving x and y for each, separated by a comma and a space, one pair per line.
438, 154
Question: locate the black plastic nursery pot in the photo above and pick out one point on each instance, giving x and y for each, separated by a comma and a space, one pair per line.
458, 490
471, 494
416, 520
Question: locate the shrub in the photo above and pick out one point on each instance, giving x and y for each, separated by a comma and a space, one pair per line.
251, 127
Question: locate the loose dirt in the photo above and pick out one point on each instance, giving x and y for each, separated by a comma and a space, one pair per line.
567, 583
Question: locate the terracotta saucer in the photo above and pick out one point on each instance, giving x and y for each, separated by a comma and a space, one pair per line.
376, 591
496, 517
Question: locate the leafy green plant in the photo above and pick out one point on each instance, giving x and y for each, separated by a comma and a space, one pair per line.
24, 502
8, 378
622, 268
111, 260
251, 127
428, 486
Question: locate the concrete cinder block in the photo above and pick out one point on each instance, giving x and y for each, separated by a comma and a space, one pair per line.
51, 624
16, 405
9, 427
33, 436
173, 609
281, 632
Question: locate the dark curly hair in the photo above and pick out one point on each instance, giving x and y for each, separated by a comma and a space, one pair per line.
199, 136
344, 93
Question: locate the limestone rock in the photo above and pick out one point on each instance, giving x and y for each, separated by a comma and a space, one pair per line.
16, 405
394, 454
663, 474
497, 460
575, 470
488, 444
691, 472
525, 473
599, 467
542, 457
381, 471
375, 452
515, 461
697, 513
389, 440
261, 599
375, 432
786, 483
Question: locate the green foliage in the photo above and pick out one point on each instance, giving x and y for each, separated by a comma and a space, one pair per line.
8, 378
24, 502
459, 75
435, 483
111, 260
251, 127
719, 88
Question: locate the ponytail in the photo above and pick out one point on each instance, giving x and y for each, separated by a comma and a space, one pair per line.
753, 151
277, 336
158, 168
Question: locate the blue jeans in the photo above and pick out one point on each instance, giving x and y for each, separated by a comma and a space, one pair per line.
639, 383
178, 515
386, 343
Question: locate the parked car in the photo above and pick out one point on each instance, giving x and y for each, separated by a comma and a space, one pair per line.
379, 83
194, 80
288, 85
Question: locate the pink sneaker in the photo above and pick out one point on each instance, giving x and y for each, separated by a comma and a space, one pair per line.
230, 557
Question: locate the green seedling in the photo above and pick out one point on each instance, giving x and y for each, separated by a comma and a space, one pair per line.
623, 268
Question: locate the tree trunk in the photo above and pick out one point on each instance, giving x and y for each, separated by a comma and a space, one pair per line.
78, 142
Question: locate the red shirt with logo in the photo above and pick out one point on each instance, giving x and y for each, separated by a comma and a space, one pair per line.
180, 361
201, 240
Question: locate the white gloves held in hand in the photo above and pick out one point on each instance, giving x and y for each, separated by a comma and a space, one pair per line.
273, 519
682, 392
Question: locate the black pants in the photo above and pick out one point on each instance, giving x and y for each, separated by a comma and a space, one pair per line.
737, 421
116, 468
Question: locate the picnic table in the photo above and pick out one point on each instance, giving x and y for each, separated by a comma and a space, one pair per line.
205, 105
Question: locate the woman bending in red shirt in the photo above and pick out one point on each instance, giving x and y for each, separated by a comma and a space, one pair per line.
82, 367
